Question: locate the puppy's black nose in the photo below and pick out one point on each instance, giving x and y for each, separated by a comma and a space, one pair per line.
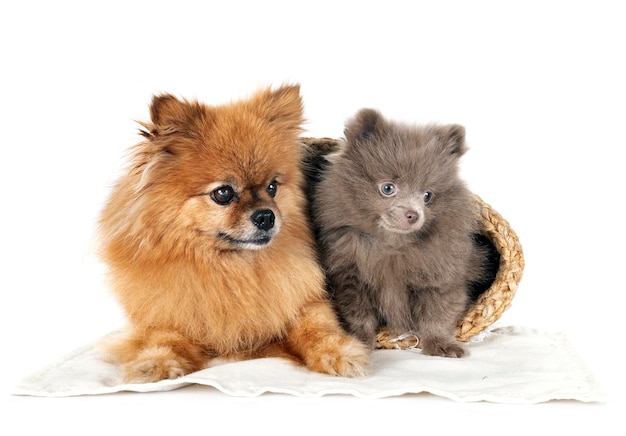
263, 219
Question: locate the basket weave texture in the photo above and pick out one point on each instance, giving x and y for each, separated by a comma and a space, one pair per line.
492, 303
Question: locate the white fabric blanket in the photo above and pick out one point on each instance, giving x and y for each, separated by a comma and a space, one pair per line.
507, 365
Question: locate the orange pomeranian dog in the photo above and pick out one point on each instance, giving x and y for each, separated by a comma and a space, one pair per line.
209, 248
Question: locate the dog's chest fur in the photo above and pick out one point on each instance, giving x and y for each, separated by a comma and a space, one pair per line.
388, 264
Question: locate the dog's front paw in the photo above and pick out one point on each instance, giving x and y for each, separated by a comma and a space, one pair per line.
153, 365
339, 355
443, 348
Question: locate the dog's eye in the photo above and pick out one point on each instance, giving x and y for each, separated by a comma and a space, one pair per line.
272, 188
388, 189
428, 197
223, 195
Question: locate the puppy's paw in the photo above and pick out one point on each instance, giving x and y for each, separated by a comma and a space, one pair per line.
152, 365
339, 355
443, 348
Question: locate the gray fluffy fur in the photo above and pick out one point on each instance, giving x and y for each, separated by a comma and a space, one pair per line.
403, 261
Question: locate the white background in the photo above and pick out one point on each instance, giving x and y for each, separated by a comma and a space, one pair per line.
539, 86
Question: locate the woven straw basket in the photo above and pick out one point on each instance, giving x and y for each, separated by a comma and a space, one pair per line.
492, 303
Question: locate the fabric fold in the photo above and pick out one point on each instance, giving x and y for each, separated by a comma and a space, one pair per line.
508, 365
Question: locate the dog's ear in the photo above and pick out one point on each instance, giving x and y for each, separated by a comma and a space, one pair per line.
282, 106
365, 124
171, 115
453, 139
166, 109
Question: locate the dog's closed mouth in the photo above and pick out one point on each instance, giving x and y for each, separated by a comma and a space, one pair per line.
258, 241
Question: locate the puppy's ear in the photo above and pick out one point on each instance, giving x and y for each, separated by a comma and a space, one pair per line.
283, 106
365, 124
453, 139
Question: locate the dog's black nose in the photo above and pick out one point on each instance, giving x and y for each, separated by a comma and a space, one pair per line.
263, 219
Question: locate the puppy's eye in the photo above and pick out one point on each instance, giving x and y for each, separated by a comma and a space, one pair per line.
272, 188
387, 189
428, 197
223, 195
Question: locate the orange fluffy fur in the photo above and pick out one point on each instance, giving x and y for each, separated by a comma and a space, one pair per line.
198, 281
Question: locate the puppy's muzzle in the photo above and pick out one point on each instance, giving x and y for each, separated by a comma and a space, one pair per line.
263, 218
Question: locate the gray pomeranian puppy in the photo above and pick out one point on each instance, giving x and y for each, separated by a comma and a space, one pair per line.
396, 228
